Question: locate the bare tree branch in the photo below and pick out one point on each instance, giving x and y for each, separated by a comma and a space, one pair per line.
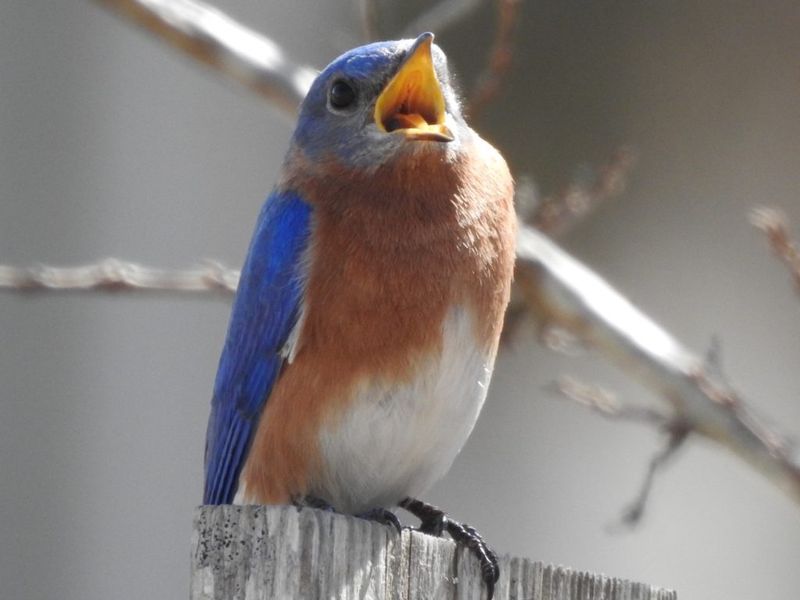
605, 403
491, 79
112, 275
774, 224
562, 292
211, 37
632, 515
557, 214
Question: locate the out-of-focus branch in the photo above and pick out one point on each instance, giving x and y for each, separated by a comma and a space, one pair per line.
211, 37
774, 224
605, 403
632, 514
558, 213
112, 275
561, 292
490, 81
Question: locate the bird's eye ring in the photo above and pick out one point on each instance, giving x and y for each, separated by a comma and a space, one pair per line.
342, 95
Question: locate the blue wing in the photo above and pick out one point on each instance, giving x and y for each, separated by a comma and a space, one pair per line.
264, 312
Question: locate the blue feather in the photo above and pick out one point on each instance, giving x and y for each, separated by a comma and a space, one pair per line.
370, 65
264, 312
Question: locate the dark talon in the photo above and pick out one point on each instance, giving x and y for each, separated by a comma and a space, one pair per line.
435, 522
383, 516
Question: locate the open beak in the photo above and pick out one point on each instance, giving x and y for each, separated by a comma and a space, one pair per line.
412, 103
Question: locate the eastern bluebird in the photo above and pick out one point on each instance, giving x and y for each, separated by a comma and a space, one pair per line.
367, 319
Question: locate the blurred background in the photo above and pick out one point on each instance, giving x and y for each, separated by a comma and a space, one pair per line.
112, 144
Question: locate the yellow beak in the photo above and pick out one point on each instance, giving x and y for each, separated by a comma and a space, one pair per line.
412, 103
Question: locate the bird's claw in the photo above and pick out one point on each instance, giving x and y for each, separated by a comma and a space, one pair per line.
383, 516
434, 521
466, 535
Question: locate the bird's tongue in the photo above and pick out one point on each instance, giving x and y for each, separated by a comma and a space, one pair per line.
406, 121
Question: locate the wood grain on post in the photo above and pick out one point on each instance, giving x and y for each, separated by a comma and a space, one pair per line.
281, 552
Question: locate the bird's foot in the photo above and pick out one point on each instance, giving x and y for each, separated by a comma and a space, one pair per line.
434, 521
383, 516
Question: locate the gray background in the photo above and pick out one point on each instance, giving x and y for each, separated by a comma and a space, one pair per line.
111, 144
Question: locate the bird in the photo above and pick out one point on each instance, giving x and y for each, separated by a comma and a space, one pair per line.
368, 314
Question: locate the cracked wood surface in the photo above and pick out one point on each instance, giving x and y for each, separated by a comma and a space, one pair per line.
265, 552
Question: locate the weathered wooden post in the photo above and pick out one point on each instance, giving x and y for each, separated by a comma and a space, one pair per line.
281, 552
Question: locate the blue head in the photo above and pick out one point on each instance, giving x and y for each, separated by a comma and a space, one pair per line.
379, 101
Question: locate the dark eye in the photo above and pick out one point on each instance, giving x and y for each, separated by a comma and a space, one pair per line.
341, 95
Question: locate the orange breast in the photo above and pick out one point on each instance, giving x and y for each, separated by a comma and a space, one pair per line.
392, 251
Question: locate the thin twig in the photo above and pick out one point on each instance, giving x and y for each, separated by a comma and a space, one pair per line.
111, 275
211, 37
678, 434
605, 403
557, 214
774, 224
490, 81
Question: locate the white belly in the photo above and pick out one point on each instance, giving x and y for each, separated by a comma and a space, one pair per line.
397, 440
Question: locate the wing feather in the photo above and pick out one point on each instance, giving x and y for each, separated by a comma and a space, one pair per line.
264, 313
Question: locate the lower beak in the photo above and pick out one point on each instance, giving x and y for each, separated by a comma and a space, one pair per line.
412, 103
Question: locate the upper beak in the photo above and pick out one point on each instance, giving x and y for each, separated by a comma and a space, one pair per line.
412, 103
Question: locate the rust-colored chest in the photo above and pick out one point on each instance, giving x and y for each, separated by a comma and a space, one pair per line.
394, 249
